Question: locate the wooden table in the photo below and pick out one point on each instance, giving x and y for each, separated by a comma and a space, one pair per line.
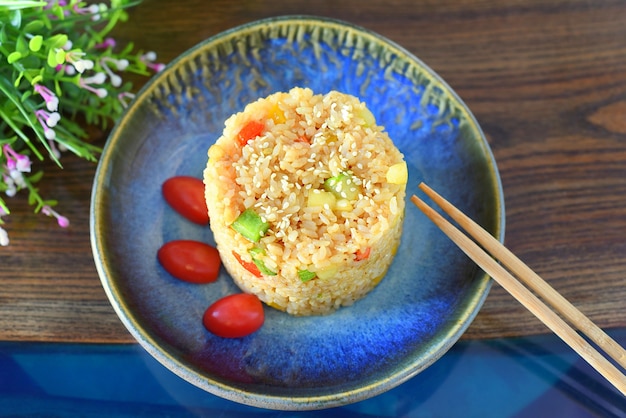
546, 80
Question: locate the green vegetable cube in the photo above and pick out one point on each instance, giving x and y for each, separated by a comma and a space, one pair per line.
250, 225
343, 186
306, 275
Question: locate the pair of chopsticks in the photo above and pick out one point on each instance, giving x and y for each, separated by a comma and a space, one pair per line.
486, 259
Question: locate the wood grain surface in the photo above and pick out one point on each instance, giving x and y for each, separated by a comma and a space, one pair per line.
545, 79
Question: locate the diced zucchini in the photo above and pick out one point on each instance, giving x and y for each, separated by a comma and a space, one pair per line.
398, 173
250, 225
327, 272
343, 186
306, 275
321, 198
257, 258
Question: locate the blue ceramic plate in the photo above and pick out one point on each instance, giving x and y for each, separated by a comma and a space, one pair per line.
431, 292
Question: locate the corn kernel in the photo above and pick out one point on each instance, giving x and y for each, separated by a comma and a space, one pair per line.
277, 115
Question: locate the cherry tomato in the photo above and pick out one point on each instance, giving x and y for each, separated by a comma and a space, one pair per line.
191, 261
186, 195
234, 316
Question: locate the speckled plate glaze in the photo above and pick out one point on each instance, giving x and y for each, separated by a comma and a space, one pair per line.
431, 292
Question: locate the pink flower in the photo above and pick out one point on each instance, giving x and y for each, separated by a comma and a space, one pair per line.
120, 64
16, 161
125, 98
148, 58
52, 101
107, 43
48, 121
93, 9
61, 220
80, 64
87, 84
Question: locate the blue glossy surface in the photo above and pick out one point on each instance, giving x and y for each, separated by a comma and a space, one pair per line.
530, 377
431, 292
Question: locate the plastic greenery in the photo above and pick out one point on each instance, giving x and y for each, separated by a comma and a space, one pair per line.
58, 64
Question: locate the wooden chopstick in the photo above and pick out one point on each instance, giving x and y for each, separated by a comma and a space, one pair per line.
528, 299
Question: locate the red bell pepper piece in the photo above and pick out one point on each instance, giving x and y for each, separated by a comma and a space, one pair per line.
251, 267
250, 131
362, 255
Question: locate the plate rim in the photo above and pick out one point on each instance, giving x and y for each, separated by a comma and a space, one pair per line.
151, 345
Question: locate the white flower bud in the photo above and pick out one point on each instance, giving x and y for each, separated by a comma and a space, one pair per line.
116, 80
53, 119
4, 237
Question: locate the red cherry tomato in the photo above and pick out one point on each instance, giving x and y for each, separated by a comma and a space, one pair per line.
191, 261
234, 316
186, 195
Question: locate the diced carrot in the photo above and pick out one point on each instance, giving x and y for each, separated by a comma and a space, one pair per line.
250, 131
251, 267
362, 255
303, 139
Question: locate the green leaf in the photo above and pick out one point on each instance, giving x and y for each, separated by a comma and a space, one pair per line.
6, 88
20, 4
127, 49
18, 80
36, 79
123, 17
21, 45
52, 58
56, 41
36, 177
4, 206
33, 26
60, 56
58, 12
35, 43
32, 197
13, 57
15, 18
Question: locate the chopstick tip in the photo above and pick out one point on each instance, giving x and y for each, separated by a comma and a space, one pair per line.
424, 187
